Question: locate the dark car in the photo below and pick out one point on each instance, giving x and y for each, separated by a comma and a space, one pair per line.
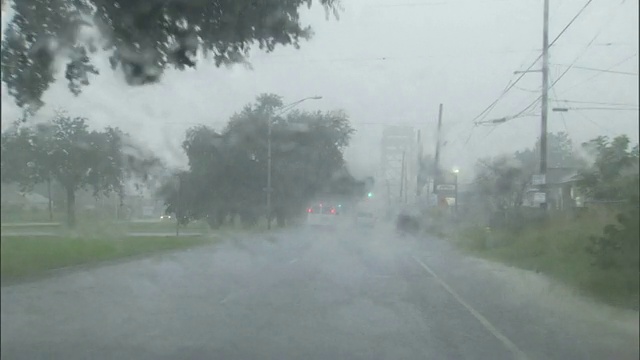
408, 222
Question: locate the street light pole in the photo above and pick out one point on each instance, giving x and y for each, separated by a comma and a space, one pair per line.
269, 126
455, 173
270, 120
545, 100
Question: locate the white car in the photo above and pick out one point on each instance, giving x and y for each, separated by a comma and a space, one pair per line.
323, 215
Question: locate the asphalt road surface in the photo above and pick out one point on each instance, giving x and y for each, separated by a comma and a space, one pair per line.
301, 294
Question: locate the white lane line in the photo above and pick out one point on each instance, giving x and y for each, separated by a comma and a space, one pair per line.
492, 329
293, 261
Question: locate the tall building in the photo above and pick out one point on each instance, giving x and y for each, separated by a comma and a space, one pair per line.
398, 165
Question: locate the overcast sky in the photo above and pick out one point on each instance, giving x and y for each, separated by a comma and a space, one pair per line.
393, 62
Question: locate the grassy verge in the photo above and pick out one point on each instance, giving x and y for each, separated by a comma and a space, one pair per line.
92, 227
29, 256
164, 226
559, 249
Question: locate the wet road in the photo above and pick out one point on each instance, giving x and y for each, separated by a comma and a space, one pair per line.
348, 294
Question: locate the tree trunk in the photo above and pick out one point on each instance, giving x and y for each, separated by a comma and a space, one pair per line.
71, 207
50, 202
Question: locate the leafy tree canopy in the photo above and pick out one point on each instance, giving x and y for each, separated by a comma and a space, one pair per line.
227, 170
67, 151
143, 36
613, 174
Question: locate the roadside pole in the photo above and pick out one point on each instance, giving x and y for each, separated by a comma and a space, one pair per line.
545, 103
436, 170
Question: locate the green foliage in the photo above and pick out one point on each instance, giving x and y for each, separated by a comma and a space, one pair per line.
618, 246
561, 248
594, 253
144, 37
501, 182
23, 256
613, 176
227, 171
65, 150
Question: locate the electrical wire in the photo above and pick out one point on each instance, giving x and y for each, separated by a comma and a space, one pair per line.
603, 108
594, 122
601, 70
589, 44
512, 84
295, 58
594, 102
528, 90
564, 121
599, 74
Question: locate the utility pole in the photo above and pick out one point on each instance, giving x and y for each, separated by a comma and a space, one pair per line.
269, 121
179, 204
402, 175
270, 118
545, 101
436, 170
419, 176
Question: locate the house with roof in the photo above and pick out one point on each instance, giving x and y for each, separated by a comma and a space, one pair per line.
562, 190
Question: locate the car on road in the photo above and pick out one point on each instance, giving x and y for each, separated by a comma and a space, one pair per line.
323, 214
409, 220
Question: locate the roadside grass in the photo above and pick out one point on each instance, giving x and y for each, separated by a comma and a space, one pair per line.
558, 249
96, 227
31, 216
163, 226
25, 256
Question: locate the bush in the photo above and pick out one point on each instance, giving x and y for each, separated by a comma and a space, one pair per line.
613, 248
576, 251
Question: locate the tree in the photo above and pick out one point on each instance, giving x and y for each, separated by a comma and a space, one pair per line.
66, 151
22, 152
502, 181
613, 177
143, 36
560, 154
228, 170
613, 174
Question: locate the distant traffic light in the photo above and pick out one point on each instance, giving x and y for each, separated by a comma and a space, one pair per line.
370, 195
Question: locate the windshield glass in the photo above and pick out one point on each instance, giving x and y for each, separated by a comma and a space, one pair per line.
320, 179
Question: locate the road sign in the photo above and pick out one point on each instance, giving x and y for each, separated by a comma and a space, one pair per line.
538, 179
446, 187
539, 197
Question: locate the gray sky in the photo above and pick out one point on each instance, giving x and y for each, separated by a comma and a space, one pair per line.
394, 61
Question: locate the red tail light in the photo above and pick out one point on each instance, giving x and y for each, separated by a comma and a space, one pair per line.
333, 211
309, 210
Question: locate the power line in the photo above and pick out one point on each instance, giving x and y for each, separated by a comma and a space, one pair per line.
512, 84
527, 90
595, 102
296, 58
564, 121
601, 70
418, 4
599, 74
594, 122
570, 22
572, 63
602, 108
